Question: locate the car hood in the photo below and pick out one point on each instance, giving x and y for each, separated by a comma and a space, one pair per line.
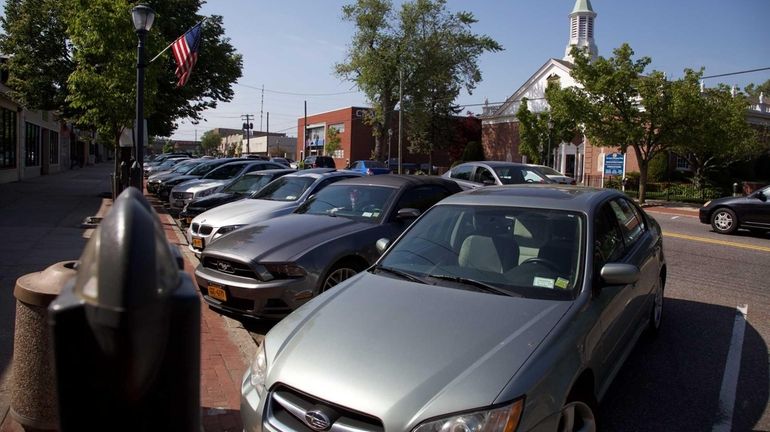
400, 350
178, 178
728, 200
285, 238
214, 200
244, 212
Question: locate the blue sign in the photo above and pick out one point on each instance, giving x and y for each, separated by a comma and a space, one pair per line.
613, 164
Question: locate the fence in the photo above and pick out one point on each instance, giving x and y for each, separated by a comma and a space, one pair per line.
683, 192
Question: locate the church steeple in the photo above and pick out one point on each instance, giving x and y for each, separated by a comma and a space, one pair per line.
581, 29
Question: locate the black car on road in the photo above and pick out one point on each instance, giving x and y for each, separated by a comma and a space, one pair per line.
730, 213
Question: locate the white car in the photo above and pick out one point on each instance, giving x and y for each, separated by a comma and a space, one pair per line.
279, 197
215, 181
555, 175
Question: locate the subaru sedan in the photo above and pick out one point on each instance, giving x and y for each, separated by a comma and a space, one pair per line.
500, 309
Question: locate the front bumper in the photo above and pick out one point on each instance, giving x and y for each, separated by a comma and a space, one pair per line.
251, 297
703, 215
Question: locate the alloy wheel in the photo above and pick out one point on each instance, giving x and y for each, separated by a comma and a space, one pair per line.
338, 275
723, 220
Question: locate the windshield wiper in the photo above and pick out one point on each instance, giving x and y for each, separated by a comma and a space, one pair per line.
403, 274
476, 283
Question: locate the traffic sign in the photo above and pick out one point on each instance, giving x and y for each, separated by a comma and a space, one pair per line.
613, 164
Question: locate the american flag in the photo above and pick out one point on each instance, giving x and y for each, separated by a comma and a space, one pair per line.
186, 53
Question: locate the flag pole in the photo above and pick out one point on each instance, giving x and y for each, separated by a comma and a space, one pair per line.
172, 43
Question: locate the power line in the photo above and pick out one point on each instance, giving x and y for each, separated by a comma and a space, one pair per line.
736, 73
295, 94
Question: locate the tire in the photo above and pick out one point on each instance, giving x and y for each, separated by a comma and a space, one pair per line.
724, 221
338, 273
577, 416
656, 311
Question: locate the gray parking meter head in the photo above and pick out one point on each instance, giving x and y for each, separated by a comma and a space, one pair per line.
126, 332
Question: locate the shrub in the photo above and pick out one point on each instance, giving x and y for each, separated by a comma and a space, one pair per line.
658, 169
474, 151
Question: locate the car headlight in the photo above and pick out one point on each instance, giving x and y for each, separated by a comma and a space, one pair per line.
706, 204
259, 370
226, 229
205, 192
501, 419
284, 270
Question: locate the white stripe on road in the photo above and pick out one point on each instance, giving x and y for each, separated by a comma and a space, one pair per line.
732, 370
675, 217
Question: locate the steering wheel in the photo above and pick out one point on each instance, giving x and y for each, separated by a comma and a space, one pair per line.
542, 261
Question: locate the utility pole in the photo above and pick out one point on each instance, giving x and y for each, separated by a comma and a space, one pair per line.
304, 134
247, 126
267, 138
261, 105
400, 112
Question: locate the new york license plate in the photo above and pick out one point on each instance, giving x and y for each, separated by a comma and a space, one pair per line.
217, 292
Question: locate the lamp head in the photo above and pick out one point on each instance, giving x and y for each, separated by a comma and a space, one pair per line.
143, 17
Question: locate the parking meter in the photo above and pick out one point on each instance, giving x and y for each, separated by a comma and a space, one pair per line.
126, 330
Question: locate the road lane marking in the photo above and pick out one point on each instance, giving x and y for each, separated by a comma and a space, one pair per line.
675, 217
714, 241
724, 421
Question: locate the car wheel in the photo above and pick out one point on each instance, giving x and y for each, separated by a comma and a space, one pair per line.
656, 314
724, 221
339, 273
577, 416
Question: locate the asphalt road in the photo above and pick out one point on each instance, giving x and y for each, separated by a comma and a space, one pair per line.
681, 380
676, 381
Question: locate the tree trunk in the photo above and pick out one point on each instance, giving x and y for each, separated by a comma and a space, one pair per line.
643, 165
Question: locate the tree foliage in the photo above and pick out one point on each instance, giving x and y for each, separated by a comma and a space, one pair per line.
540, 133
432, 52
210, 142
79, 57
332, 141
753, 90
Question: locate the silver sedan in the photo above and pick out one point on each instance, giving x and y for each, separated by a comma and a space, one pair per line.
501, 309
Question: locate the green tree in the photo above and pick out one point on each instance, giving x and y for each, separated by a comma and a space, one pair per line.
621, 105
540, 133
716, 133
753, 91
434, 52
168, 147
79, 56
210, 142
474, 151
332, 142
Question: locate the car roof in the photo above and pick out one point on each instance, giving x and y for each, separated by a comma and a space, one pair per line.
399, 180
494, 163
321, 172
271, 171
548, 196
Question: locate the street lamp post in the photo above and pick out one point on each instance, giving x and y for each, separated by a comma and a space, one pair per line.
143, 17
390, 134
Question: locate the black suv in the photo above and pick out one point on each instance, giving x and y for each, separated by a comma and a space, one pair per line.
319, 162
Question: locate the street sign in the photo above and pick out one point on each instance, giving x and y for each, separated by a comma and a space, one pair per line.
613, 164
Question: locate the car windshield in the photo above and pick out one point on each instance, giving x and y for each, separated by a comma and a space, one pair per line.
249, 183
359, 202
516, 174
549, 171
183, 167
534, 253
373, 164
205, 168
284, 189
225, 172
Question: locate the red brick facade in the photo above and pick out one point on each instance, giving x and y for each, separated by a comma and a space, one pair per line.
501, 141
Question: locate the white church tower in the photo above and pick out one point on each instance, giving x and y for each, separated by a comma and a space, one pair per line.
581, 29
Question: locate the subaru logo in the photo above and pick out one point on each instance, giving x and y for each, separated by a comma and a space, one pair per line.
225, 267
317, 420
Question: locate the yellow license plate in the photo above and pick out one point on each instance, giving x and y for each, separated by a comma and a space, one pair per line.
217, 292
197, 243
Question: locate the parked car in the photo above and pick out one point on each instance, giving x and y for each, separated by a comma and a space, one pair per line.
270, 268
182, 168
245, 186
164, 166
279, 197
730, 213
554, 175
167, 182
369, 167
319, 162
470, 175
503, 308
215, 181
280, 160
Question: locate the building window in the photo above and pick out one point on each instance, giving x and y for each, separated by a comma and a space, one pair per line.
590, 28
32, 144
339, 154
682, 164
339, 126
7, 138
574, 33
583, 24
53, 145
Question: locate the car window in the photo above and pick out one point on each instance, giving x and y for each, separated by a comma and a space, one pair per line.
462, 172
608, 241
204, 168
631, 224
483, 176
422, 197
455, 242
249, 183
354, 201
358, 165
224, 172
549, 171
327, 181
284, 189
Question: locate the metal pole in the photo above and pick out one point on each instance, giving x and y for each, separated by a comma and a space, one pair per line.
136, 169
400, 117
267, 138
390, 134
304, 134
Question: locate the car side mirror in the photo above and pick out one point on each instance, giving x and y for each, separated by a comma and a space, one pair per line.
761, 195
407, 213
619, 274
382, 245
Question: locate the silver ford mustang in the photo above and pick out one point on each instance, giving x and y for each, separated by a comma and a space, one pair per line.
500, 309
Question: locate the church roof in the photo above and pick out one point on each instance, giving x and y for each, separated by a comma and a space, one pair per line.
582, 6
